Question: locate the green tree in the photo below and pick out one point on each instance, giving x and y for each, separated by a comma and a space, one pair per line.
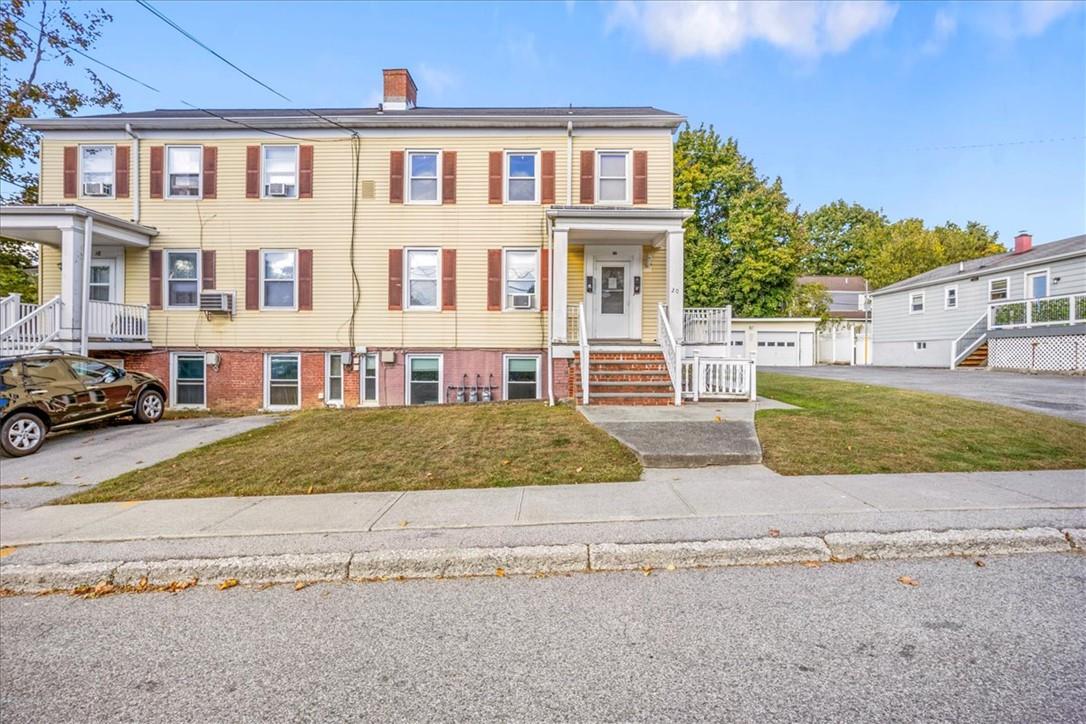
16, 260
912, 249
841, 237
742, 242
809, 300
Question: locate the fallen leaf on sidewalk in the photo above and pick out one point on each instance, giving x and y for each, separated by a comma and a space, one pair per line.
774, 532
908, 581
6, 551
403, 523
979, 564
671, 566
228, 583
812, 564
717, 419
647, 570
300, 585
500, 572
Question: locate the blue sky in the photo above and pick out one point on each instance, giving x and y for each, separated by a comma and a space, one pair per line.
878, 103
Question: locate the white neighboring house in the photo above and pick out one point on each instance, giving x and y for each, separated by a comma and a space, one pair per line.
1024, 309
845, 338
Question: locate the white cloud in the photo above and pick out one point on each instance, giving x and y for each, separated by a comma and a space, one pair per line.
1023, 19
1037, 15
715, 29
434, 81
943, 28
522, 51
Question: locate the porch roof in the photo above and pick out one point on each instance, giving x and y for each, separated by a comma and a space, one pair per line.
44, 223
614, 224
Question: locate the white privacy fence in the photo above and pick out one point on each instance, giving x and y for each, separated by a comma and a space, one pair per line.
719, 378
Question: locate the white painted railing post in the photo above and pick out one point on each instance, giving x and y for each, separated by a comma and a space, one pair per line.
753, 371
697, 376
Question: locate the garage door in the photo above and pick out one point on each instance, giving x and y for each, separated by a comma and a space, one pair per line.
778, 349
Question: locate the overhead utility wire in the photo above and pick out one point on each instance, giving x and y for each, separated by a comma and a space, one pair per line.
997, 145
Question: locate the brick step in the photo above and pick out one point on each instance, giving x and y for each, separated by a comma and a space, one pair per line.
594, 355
617, 376
612, 363
633, 388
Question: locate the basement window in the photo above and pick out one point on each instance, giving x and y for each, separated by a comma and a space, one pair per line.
423, 379
188, 388
522, 377
282, 374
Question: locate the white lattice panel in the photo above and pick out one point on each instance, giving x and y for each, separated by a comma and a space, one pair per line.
1062, 352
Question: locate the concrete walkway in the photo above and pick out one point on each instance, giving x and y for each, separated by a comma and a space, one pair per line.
741, 493
693, 435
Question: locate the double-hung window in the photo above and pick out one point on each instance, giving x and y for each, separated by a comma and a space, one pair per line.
280, 171
97, 169
183, 166
189, 380
423, 379
521, 276
369, 379
278, 279
282, 375
950, 297
522, 177
333, 379
423, 276
999, 289
916, 302
522, 377
423, 179
182, 279
614, 176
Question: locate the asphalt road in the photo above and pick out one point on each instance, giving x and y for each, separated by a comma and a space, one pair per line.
1004, 642
1059, 395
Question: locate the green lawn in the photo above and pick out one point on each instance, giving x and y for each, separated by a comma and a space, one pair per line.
855, 428
414, 448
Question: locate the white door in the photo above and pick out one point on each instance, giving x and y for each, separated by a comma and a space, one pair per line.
778, 349
612, 309
806, 349
103, 280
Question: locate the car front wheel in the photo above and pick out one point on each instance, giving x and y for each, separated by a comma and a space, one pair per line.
149, 406
22, 434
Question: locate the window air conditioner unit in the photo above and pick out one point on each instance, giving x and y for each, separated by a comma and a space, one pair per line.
216, 302
98, 189
523, 301
278, 189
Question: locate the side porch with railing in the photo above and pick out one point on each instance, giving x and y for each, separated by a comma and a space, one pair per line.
1019, 315
28, 328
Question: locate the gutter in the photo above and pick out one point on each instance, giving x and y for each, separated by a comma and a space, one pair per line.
134, 173
979, 273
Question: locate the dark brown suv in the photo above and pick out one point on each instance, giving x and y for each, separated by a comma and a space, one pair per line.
45, 392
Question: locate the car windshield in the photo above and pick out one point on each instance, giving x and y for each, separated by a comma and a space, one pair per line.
9, 374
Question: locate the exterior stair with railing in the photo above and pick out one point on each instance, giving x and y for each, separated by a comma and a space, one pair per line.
27, 328
623, 378
977, 358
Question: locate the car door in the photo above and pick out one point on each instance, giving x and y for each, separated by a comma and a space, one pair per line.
52, 384
107, 388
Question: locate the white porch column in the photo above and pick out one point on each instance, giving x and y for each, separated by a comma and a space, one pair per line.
559, 277
675, 281
72, 292
88, 239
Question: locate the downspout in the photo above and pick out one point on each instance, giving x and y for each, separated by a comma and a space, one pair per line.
134, 173
550, 264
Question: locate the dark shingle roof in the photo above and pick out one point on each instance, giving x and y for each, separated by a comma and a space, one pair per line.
1072, 245
833, 283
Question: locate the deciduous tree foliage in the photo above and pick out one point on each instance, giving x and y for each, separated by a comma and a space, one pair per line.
742, 243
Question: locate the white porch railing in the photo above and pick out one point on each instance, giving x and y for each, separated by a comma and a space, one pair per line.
582, 337
673, 351
719, 378
969, 340
115, 321
33, 330
1040, 312
12, 309
707, 325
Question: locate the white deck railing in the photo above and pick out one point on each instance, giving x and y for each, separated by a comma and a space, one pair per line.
719, 378
673, 351
33, 330
707, 325
115, 321
1040, 312
582, 337
12, 309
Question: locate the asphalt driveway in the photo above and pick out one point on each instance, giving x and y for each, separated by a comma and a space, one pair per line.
1061, 396
73, 461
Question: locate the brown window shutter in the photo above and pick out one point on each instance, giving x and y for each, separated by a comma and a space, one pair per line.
588, 177
122, 168
493, 280
71, 169
448, 177
157, 170
395, 178
640, 177
252, 173
305, 172
305, 279
155, 296
252, 279
395, 279
207, 269
546, 195
544, 278
448, 279
211, 171
495, 175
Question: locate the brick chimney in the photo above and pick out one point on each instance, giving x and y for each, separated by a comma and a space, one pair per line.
1023, 242
400, 90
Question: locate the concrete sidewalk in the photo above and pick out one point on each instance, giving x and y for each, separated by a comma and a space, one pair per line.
676, 500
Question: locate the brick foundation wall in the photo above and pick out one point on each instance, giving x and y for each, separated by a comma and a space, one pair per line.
237, 383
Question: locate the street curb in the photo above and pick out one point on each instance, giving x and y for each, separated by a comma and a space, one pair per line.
933, 544
757, 551
536, 560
